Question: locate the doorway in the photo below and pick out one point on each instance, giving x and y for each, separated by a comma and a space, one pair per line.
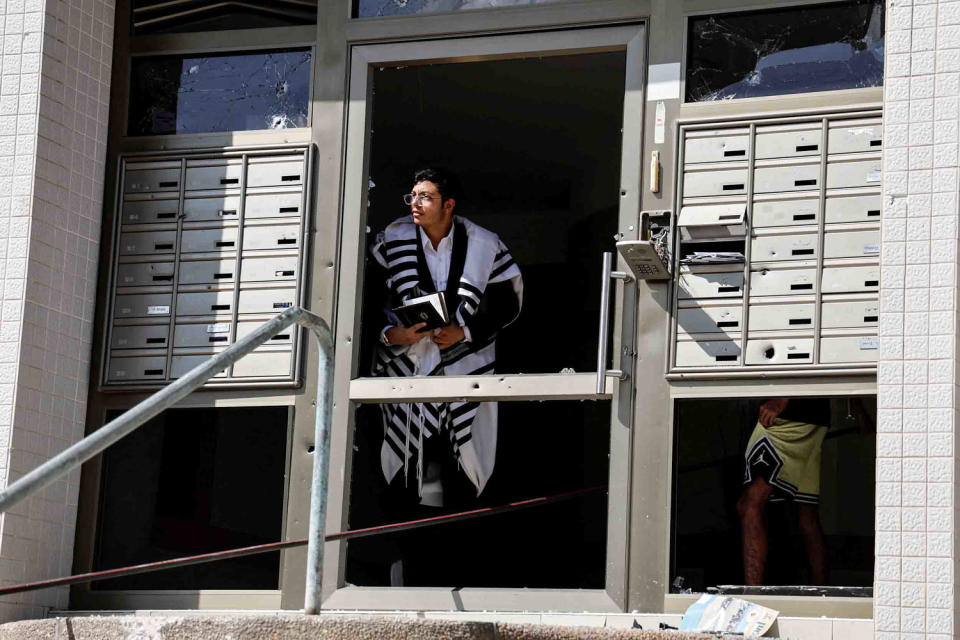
543, 131
536, 142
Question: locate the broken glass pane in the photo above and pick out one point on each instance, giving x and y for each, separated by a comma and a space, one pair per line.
780, 51
376, 8
200, 94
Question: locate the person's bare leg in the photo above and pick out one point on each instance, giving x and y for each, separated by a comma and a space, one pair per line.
813, 541
752, 507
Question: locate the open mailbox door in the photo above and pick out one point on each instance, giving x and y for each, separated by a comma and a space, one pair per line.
713, 221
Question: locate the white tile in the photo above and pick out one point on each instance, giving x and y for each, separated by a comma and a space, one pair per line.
939, 621
886, 618
913, 569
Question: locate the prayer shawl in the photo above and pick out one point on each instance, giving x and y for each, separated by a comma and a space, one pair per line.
479, 258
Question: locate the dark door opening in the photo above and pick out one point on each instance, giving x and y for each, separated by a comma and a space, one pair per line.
536, 143
825, 472
194, 481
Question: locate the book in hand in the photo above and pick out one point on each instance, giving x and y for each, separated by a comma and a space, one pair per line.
431, 308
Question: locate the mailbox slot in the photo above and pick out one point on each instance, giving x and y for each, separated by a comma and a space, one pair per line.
785, 213
788, 141
707, 353
849, 349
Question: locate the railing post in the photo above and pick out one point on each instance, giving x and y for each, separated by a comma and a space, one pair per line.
321, 462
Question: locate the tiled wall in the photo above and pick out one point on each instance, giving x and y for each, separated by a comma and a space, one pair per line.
916, 522
54, 99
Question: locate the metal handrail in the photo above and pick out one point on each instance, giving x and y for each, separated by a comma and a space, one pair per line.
271, 547
130, 420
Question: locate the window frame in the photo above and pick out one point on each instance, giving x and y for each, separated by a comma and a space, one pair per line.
82, 596
858, 603
736, 389
236, 42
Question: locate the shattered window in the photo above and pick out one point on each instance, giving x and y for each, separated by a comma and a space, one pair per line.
781, 51
377, 8
201, 94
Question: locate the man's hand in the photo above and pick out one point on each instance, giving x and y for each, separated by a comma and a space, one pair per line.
770, 409
448, 336
406, 335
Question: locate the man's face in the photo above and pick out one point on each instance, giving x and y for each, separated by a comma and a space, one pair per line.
430, 211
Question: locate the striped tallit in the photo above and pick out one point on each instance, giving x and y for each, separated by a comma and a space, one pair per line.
479, 259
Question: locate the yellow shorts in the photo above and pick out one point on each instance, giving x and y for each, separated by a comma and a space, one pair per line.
787, 455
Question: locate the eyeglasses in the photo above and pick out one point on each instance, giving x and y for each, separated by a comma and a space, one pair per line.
422, 198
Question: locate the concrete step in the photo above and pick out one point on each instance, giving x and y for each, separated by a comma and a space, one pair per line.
295, 626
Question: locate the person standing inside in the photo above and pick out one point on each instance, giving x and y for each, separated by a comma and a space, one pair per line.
443, 454
783, 464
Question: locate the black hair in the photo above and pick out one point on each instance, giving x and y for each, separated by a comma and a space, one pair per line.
448, 184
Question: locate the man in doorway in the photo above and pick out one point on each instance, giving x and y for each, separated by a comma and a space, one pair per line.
445, 451
783, 464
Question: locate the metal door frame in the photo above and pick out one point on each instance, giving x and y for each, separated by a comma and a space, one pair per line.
363, 58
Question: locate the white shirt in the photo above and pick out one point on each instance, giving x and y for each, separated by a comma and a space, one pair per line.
438, 263
438, 260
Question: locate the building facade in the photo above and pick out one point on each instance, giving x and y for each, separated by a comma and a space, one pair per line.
787, 173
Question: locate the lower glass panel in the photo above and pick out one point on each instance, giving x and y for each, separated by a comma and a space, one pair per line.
193, 481
816, 524
542, 449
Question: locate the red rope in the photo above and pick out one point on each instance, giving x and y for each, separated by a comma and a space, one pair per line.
276, 546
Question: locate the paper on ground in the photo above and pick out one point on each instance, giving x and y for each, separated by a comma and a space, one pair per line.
728, 615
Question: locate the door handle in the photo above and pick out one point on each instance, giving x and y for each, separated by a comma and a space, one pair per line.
604, 338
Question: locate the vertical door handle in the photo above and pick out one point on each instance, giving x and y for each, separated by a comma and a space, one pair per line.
604, 337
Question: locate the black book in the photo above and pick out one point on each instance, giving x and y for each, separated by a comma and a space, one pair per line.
431, 308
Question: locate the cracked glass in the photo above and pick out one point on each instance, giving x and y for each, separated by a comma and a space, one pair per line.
782, 51
203, 94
